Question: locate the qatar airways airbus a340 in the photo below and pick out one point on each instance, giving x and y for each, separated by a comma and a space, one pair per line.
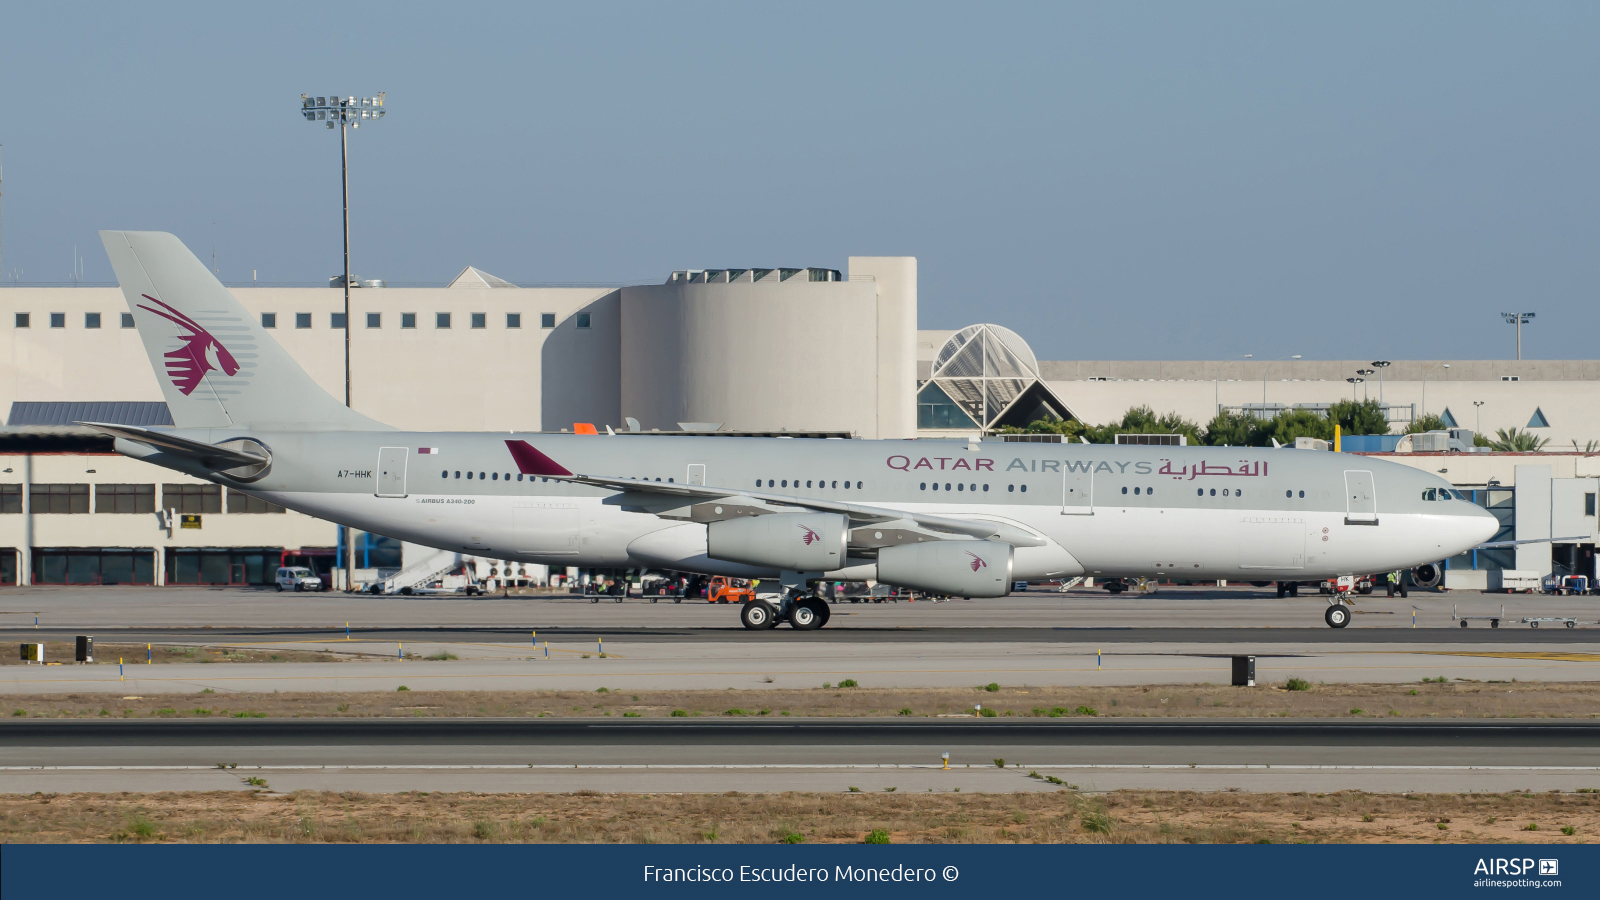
963, 518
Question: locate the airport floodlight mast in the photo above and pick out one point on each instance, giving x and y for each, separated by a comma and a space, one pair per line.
1365, 374
1519, 320
1264, 379
348, 112
1478, 408
1380, 365
1353, 383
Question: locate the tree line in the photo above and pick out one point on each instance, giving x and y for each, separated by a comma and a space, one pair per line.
1240, 429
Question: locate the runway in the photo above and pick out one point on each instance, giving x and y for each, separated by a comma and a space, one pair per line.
803, 754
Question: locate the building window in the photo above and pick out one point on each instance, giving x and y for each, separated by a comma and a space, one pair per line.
338, 320
546, 320
240, 502
269, 320
59, 498
58, 320
441, 320
10, 499
124, 498
192, 498
302, 320
408, 320
93, 566
583, 320
1588, 504
480, 320
127, 320
91, 320
513, 320
22, 320
374, 320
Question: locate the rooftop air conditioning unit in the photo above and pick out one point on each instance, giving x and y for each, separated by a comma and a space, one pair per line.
1158, 440
1310, 443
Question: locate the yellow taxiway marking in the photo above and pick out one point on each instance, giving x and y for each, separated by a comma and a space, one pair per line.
1514, 654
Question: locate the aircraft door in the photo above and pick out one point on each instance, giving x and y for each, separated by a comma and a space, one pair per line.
697, 473
1077, 490
1361, 498
392, 471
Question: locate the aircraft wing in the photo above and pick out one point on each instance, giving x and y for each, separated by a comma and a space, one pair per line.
670, 494
1549, 540
208, 455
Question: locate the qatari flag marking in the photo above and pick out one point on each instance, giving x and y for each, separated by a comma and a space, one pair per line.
427, 450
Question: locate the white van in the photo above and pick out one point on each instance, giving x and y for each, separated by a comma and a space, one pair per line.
298, 578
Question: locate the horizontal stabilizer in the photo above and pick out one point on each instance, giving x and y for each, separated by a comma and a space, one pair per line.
208, 455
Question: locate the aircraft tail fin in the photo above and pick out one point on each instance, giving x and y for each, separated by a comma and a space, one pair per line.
217, 367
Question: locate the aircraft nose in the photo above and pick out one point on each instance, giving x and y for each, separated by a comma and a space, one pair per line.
1484, 525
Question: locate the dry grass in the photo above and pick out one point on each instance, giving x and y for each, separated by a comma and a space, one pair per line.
1433, 700
108, 654
589, 817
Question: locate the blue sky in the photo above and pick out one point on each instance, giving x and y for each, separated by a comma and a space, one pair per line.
1131, 180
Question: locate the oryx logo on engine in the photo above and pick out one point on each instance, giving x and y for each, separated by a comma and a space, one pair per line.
977, 561
810, 537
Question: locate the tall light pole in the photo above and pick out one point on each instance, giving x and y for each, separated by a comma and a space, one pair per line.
1425, 385
1216, 383
1478, 410
1518, 319
1365, 374
1264, 378
347, 112
1353, 383
1380, 365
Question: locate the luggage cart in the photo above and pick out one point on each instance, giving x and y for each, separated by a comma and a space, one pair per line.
1533, 621
1494, 621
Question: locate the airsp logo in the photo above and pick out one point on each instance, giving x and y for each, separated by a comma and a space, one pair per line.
1523, 866
1549, 867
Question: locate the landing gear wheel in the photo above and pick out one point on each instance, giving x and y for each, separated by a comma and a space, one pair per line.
808, 614
758, 615
1282, 591
1463, 623
1294, 588
1337, 616
1533, 624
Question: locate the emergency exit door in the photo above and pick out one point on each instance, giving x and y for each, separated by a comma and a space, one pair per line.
1360, 497
392, 471
1077, 490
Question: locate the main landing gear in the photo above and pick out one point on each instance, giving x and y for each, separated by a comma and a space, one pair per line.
803, 611
1287, 589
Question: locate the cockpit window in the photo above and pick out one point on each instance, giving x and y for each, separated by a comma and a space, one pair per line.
1458, 495
1430, 494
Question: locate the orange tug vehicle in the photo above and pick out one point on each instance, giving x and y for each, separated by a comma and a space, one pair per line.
722, 589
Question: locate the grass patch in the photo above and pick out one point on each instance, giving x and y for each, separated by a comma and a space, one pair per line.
442, 655
1297, 684
848, 682
878, 836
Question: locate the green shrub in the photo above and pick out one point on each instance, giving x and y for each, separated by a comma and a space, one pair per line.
1000, 762
736, 711
483, 829
988, 713
680, 713
402, 688
1568, 830
905, 711
877, 837
992, 687
1355, 711
1531, 826
631, 715
602, 690
792, 837
442, 655
1086, 711
1097, 821
848, 682
1297, 684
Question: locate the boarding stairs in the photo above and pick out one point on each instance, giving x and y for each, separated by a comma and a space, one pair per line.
424, 571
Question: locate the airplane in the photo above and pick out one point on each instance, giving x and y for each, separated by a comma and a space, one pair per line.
955, 517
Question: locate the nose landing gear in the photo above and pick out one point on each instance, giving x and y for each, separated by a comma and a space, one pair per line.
1337, 614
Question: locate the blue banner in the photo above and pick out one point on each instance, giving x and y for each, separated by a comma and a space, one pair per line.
246, 872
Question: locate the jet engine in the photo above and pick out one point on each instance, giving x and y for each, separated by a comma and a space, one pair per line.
957, 568
797, 542
1427, 575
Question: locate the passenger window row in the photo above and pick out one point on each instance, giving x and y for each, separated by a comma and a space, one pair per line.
1201, 492
821, 483
958, 487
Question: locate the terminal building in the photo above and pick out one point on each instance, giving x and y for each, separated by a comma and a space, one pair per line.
796, 351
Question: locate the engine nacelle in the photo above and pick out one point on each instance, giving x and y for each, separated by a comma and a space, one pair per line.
1427, 575
798, 542
958, 568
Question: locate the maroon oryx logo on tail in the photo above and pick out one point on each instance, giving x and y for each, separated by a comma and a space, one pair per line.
810, 537
977, 561
187, 365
